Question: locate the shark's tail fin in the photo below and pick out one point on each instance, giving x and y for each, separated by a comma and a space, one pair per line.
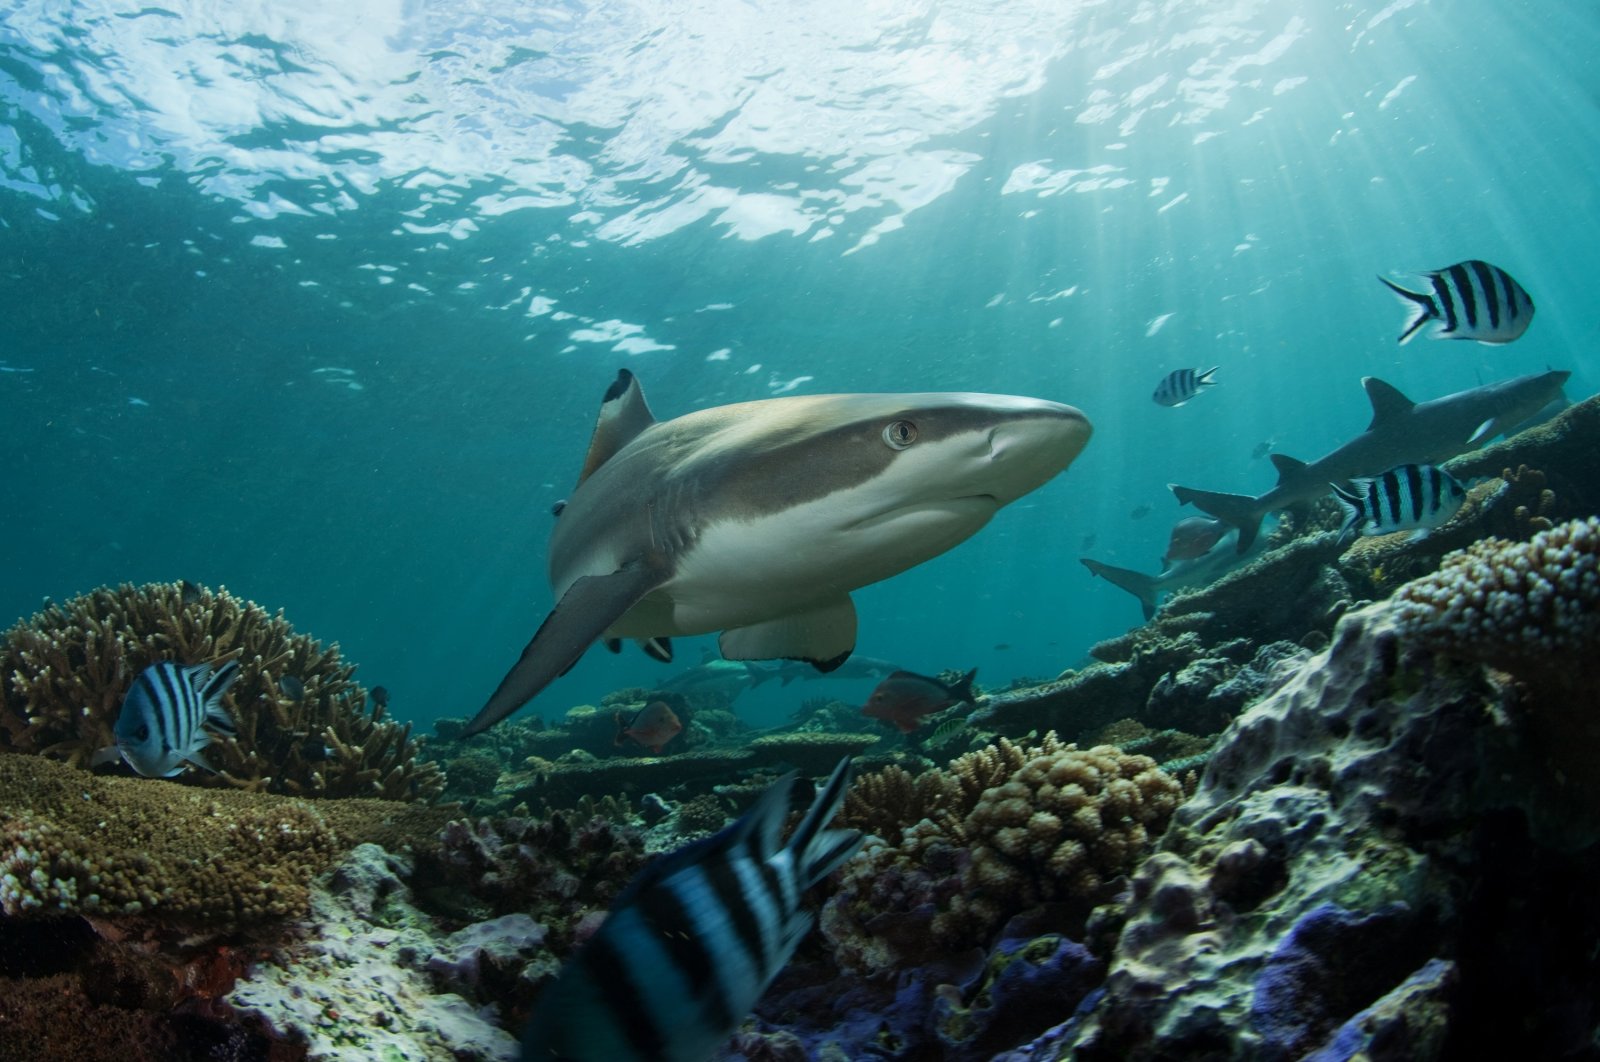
1422, 308
962, 690
1240, 510
1138, 584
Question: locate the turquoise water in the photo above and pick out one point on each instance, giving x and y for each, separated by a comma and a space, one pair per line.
317, 301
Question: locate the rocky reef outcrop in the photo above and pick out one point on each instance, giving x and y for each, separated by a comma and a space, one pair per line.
1362, 870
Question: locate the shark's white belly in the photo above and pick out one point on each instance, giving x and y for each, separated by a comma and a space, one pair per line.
743, 572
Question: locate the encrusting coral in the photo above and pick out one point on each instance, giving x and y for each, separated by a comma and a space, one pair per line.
77, 843
66, 671
1005, 829
558, 868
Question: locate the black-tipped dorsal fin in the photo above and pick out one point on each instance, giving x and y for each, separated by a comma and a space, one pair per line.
623, 415
1387, 401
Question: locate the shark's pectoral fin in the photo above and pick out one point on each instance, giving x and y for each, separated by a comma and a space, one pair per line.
589, 606
823, 637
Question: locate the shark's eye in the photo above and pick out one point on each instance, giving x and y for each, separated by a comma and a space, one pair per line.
900, 434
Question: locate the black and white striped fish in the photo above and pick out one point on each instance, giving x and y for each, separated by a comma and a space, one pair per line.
1180, 385
161, 725
694, 940
1406, 498
1469, 300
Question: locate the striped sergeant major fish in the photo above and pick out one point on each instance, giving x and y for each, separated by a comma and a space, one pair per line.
1469, 300
694, 940
1413, 498
1180, 385
161, 725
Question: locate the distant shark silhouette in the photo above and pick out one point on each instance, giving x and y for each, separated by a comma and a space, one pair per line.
758, 519
1211, 565
857, 667
1402, 432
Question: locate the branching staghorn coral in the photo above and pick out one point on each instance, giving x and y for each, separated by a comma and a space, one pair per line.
66, 671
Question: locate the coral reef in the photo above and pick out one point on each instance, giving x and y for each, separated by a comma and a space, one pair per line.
1515, 605
1171, 679
70, 992
563, 782
1326, 887
355, 982
66, 670
557, 869
77, 843
1013, 827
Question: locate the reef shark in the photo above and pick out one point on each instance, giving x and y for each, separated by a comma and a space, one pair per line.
1402, 432
1203, 570
757, 519
857, 667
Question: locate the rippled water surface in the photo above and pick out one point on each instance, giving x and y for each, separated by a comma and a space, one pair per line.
318, 300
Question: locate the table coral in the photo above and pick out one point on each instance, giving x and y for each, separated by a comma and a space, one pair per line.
76, 843
66, 671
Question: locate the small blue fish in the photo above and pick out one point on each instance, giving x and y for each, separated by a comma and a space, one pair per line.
694, 940
1406, 498
161, 724
1181, 385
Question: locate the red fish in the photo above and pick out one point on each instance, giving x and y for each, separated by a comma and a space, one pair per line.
1193, 537
651, 726
905, 697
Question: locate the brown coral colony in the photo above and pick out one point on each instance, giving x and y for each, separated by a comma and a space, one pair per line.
68, 668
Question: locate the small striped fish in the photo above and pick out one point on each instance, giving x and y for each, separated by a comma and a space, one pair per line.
1469, 300
1181, 385
1407, 498
694, 940
161, 724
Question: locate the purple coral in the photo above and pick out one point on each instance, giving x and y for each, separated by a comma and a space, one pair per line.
1329, 965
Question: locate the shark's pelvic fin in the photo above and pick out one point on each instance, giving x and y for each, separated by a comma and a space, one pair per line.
589, 606
1240, 510
623, 415
1388, 403
1138, 584
824, 636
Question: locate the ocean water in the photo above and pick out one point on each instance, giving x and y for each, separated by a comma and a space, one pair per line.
318, 301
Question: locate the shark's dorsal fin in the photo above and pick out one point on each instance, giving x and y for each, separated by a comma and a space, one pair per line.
1287, 466
1387, 401
623, 415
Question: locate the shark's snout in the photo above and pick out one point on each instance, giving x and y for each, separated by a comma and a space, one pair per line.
1034, 444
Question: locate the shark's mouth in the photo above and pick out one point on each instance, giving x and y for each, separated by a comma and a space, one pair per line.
973, 509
